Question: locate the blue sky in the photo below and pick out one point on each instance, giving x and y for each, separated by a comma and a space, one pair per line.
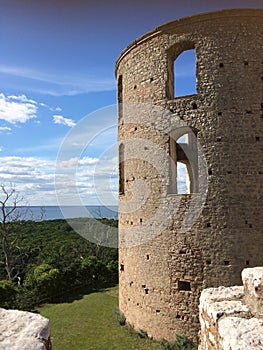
56, 67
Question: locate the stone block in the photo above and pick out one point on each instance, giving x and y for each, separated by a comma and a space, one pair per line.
237, 333
21, 330
253, 285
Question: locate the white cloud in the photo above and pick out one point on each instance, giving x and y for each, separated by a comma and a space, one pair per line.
74, 163
88, 180
88, 161
5, 128
33, 177
21, 98
52, 109
17, 109
59, 119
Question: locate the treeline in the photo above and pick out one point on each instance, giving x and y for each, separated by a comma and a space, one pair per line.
52, 263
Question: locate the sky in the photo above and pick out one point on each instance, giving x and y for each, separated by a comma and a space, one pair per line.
58, 91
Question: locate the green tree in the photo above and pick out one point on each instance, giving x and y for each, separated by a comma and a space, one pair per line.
8, 292
43, 281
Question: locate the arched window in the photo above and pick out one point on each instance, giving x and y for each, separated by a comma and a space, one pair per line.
185, 73
183, 162
181, 70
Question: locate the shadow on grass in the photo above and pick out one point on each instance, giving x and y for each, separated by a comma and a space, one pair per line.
77, 293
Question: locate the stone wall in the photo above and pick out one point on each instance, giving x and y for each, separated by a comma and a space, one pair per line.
232, 318
173, 246
20, 330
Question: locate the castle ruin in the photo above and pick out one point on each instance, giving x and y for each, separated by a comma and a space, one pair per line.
173, 245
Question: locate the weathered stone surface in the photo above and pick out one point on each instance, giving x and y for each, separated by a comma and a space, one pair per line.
215, 304
227, 315
173, 246
237, 333
20, 330
222, 301
253, 285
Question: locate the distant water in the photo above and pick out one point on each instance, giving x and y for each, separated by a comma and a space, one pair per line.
37, 213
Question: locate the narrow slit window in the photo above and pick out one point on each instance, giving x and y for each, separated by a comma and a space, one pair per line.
185, 73
121, 169
120, 96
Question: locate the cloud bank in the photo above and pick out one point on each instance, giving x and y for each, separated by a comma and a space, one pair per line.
34, 179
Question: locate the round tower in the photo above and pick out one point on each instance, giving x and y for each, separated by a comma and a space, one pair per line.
176, 241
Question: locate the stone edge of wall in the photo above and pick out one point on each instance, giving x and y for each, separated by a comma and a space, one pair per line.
21, 330
232, 317
188, 20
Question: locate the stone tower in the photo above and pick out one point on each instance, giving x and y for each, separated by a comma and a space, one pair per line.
173, 245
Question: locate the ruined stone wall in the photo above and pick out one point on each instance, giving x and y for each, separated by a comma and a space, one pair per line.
173, 246
232, 318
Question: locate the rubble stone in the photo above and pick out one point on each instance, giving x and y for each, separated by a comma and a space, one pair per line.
229, 317
21, 330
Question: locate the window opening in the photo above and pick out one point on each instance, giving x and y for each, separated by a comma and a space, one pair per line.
184, 164
185, 73
120, 87
184, 285
121, 169
182, 178
194, 105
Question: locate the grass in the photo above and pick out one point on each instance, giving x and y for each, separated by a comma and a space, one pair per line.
89, 324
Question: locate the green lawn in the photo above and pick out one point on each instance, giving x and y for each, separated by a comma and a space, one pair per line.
89, 324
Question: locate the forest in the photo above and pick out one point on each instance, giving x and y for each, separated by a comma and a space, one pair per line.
49, 262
